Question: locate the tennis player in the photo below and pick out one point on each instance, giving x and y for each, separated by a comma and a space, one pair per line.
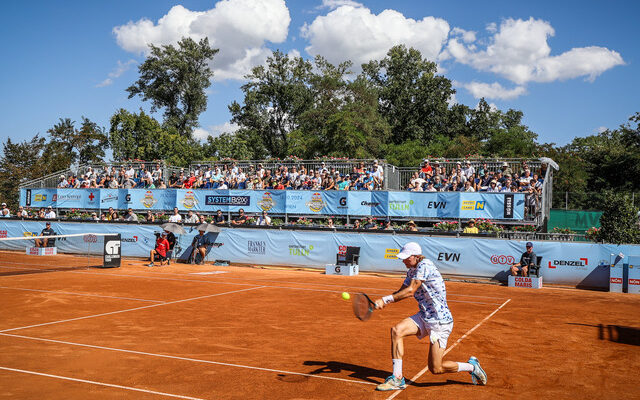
433, 320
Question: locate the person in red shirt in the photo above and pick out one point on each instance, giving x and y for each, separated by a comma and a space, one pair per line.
426, 168
188, 183
162, 246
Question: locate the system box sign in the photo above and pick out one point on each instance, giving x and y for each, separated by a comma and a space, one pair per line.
345, 270
224, 200
529, 282
112, 251
508, 206
42, 251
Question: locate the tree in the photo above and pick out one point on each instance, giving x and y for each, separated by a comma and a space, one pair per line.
175, 79
274, 98
21, 162
413, 99
619, 220
140, 137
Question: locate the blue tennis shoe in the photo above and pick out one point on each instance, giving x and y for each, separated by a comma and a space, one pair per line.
392, 383
478, 376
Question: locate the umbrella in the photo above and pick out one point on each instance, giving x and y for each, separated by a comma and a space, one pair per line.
175, 228
208, 228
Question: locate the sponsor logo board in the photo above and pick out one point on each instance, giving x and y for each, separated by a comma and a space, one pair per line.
472, 205
224, 200
391, 254
256, 247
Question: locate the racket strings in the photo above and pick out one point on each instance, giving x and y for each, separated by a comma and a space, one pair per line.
361, 307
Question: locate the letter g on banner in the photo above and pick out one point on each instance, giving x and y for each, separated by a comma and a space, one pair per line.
502, 259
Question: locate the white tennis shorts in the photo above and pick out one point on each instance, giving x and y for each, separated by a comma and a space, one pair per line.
435, 330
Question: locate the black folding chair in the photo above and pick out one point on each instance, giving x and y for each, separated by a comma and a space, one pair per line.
535, 270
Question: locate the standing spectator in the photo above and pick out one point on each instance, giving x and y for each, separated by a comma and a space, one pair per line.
50, 213
264, 219
176, 217
156, 175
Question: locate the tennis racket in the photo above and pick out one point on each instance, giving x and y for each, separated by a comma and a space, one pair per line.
363, 306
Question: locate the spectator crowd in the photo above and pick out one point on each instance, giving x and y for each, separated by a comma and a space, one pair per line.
231, 176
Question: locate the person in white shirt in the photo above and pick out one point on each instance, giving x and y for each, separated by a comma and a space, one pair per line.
468, 170
264, 219
493, 187
157, 173
5, 212
63, 182
176, 217
50, 213
22, 213
130, 172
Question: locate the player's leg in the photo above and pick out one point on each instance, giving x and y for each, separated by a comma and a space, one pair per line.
514, 270
438, 336
38, 242
525, 270
152, 254
203, 252
407, 327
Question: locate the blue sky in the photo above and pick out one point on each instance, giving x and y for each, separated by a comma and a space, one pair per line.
570, 66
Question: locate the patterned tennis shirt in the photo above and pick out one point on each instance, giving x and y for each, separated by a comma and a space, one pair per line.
432, 294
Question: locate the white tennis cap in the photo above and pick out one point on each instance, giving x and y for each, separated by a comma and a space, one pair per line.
409, 249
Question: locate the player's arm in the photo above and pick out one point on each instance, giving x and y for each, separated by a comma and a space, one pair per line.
402, 293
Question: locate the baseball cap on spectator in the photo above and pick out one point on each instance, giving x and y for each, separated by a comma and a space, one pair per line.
48, 223
468, 162
409, 249
529, 244
49, 207
61, 176
4, 204
459, 163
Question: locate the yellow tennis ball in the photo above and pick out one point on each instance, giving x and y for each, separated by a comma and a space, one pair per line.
345, 296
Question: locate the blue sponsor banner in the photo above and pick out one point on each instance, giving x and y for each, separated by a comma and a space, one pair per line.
583, 264
334, 202
37, 197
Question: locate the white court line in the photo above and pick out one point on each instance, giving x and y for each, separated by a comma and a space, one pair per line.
80, 294
100, 383
186, 359
245, 279
425, 369
130, 309
217, 282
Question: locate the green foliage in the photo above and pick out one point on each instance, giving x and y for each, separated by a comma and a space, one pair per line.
21, 162
175, 79
275, 97
140, 137
619, 220
412, 98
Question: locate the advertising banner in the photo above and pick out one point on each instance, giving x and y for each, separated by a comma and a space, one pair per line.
333, 202
579, 264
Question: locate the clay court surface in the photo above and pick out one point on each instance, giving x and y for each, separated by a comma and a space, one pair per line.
247, 333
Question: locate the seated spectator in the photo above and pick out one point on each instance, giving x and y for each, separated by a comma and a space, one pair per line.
263, 219
131, 216
191, 218
356, 224
387, 225
426, 169
471, 227
430, 188
371, 224
22, 213
63, 183
505, 169
160, 250
161, 184
468, 170
527, 260
5, 212
41, 213
50, 213
176, 217
330, 223
94, 216
46, 242
173, 180
241, 219
467, 187
411, 226
483, 170
150, 217
218, 219
493, 187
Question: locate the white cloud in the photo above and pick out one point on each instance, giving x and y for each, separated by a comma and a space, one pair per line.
117, 72
214, 130
600, 129
466, 36
333, 4
519, 51
492, 90
356, 34
239, 28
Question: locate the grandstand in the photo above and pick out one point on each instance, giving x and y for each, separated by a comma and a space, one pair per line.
269, 175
